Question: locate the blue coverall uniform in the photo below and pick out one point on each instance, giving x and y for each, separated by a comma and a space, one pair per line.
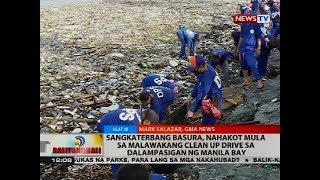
124, 117
272, 32
186, 37
119, 117
250, 33
157, 80
223, 56
208, 84
162, 98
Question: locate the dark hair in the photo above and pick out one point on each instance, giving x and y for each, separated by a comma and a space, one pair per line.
150, 115
132, 172
143, 96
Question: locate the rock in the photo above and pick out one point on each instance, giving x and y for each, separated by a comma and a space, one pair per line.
112, 81
173, 63
112, 75
274, 64
41, 119
241, 113
271, 91
76, 130
49, 104
95, 112
84, 126
255, 172
116, 56
90, 116
268, 113
66, 96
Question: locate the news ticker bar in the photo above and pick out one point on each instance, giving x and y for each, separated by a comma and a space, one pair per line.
160, 160
165, 144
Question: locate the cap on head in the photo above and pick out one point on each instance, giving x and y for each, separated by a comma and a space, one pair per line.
195, 62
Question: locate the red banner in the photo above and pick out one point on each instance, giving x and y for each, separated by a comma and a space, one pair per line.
201, 129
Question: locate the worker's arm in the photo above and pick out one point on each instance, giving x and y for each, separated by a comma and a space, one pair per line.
238, 48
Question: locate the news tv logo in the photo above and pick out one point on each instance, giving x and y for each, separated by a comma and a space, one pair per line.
70, 144
251, 18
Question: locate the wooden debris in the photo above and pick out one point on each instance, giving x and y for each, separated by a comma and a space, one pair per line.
52, 120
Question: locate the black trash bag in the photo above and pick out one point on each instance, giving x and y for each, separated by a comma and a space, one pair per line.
178, 117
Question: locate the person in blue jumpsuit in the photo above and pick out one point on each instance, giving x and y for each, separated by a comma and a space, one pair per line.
275, 14
236, 33
159, 99
268, 34
275, 18
188, 39
275, 38
157, 80
249, 48
208, 85
255, 6
126, 117
265, 36
244, 8
219, 57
